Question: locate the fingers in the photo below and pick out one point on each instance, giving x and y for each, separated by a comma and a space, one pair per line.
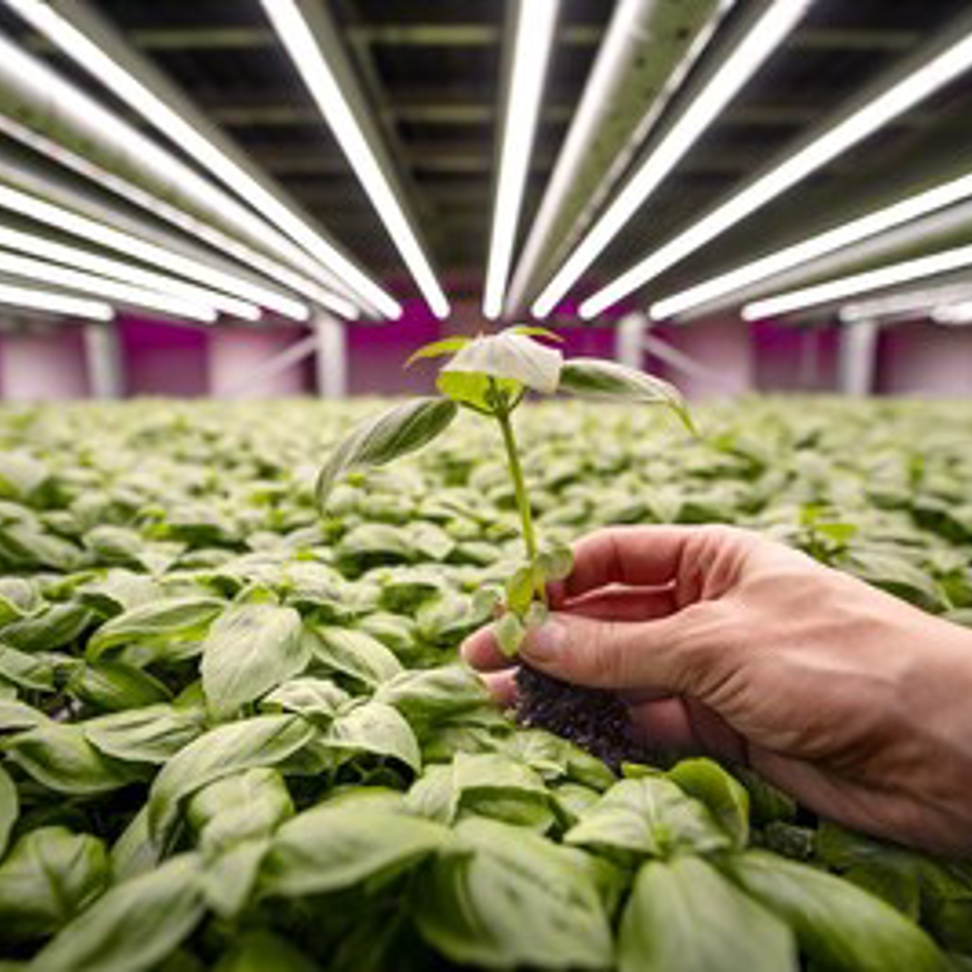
660, 654
480, 650
624, 604
502, 686
650, 556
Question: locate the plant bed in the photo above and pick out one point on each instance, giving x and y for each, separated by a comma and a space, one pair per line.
234, 735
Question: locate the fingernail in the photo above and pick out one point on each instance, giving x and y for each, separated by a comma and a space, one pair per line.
546, 643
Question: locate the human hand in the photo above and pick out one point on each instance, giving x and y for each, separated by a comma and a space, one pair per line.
724, 642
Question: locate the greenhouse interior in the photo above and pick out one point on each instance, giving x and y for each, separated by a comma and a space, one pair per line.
485, 484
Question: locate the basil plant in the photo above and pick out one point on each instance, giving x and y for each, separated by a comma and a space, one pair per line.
491, 375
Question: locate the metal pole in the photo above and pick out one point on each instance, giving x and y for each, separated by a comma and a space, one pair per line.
332, 356
858, 347
102, 353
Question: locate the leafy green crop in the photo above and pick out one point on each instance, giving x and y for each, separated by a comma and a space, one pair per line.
491, 375
234, 735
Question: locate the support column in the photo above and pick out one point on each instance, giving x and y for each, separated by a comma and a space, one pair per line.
630, 348
102, 352
856, 363
332, 356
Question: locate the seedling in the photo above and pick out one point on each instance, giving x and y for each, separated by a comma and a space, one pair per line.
491, 375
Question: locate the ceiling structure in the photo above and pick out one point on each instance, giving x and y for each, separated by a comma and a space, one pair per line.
431, 73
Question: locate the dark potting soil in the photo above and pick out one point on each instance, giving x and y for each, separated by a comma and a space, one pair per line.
594, 719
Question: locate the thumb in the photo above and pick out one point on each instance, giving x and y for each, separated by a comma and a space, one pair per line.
661, 654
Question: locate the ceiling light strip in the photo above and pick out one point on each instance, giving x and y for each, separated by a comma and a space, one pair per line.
79, 258
813, 247
745, 59
115, 290
859, 283
91, 121
532, 43
312, 65
70, 222
960, 313
608, 126
904, 93
29, 298
904, 303
275, 270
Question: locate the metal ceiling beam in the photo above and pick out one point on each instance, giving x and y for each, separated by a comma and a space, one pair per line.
854, 39
468, 35
443, 111
109, 149
647, 51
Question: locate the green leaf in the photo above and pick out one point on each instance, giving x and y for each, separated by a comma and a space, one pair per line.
400, 430
134, 853
683, 914
520, 589
374, 727
250, 649
26, 671
438, 349
231, 876
248, 805
610, 381
496, 786
532, 330
509, 632
556, 563
511, 360
476, 390
725, 797
132, 926
151, 734
837, 924
19, 715
9, 809
263, 951
59, 757
49, 876
258, 742
650, 815
54, 627
18, 598
510, 898
429, 696
161, 624
353, 653
317, 699
333, 848
113, 685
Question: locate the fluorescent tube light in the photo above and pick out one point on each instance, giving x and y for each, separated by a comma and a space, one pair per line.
834, 239
79, 258
953, 313
114, 290
859, 283
27, 298
917, 301
304, 51
533, 39
133, 246
740, 65
903, 94
96, 120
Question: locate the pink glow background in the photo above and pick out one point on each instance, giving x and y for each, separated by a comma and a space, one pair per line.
914, 358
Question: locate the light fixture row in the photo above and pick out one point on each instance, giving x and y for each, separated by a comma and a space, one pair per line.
532, 43
856, 125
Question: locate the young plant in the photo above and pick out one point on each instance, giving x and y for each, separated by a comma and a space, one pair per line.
491, 375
